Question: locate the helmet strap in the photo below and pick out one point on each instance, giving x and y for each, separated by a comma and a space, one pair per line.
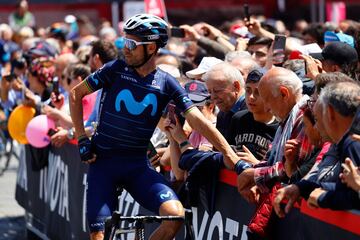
147, 57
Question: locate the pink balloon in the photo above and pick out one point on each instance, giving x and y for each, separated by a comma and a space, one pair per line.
37, 131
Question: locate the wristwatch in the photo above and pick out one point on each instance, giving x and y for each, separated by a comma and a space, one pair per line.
71, 134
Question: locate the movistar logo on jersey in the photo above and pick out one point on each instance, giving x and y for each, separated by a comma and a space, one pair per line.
134, 107
93, 79
82, 150
166, 195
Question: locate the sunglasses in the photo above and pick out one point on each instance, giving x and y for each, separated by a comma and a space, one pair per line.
132, 44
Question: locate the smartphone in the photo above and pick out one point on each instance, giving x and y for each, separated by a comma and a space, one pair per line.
51, 132
55, 87
9, 78
279, 49
246, 12
171, 111
177, 32
355, 126
151, 151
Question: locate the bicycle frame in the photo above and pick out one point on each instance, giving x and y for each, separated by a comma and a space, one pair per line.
140, 222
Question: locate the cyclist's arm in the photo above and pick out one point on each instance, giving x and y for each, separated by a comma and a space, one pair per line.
198, 122
76, 108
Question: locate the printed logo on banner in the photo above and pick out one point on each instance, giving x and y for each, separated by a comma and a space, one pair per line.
54, 186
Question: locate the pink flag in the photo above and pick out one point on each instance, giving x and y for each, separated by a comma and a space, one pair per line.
335, 12
155, 7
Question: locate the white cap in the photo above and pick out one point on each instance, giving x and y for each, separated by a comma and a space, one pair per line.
69, 19
172, 70
204, 66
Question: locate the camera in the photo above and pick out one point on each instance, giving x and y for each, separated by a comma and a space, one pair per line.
11, 77
177, 32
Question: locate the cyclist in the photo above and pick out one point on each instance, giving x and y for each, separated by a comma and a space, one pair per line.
134, 96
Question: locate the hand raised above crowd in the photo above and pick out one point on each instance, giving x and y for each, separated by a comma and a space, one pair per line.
190, 33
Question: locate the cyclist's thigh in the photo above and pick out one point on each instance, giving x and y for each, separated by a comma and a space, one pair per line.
101, 193
149, 188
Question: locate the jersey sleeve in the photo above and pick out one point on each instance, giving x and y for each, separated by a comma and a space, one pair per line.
178, 94
102, 78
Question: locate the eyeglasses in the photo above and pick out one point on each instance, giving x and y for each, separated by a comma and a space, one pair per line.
132, 44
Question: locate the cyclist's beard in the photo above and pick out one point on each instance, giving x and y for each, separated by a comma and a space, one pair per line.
138, 64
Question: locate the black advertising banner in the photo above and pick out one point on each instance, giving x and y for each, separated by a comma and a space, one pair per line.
54, 197
54, 200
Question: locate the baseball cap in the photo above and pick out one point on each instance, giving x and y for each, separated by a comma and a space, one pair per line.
338, 52
338, 37
204, 66
42, 49
255, 75
197, 92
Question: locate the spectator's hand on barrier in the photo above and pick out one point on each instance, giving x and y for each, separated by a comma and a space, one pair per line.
290, 193
57, 101
351, 175
252, 194
247, 156
313, 66
190, 33
314, 196
84, 145
246, 179
59, 138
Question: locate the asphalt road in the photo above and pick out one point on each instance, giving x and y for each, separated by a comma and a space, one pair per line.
12, 223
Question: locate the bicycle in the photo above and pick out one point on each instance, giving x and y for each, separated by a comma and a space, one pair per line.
113, 223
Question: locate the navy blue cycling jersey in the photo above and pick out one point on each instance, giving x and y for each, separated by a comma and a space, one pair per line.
131, 106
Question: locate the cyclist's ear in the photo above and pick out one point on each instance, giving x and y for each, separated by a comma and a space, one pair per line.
151, 48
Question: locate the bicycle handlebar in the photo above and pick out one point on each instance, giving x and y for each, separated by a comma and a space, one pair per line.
116, 217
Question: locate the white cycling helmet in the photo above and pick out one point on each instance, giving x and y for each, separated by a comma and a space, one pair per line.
149, 28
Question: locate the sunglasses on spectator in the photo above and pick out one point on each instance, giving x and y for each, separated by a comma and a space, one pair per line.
132, 44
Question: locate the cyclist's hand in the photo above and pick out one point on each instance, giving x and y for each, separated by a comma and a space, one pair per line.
86, 154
